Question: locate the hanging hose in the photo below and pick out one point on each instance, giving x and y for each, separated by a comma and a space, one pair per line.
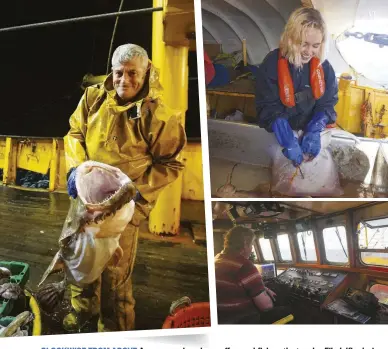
112, 39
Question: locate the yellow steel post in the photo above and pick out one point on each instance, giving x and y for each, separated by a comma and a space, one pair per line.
177, 78
165, 216
192, 177
343, 105
158, 45
9, 171
2, 152
54, 175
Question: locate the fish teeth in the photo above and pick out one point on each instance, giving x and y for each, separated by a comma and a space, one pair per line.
111, 196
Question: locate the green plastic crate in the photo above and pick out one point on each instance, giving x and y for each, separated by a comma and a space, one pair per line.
20, 275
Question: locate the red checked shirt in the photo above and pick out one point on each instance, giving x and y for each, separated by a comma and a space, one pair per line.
238, 281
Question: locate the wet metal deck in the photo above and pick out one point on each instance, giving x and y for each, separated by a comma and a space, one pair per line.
167, 268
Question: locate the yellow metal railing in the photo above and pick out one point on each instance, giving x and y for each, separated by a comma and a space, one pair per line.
47, 156
362, 110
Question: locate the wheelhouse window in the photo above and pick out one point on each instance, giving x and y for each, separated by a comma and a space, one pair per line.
253, 256
266, 249
284, 247
307, 246
336, 247
373, 241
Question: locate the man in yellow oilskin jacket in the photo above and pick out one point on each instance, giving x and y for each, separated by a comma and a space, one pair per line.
123, 122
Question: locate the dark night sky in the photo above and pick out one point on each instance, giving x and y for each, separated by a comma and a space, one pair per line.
42, 68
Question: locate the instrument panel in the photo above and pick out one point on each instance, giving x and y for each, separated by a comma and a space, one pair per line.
313, 285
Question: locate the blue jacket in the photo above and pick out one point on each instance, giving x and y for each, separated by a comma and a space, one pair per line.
268, 104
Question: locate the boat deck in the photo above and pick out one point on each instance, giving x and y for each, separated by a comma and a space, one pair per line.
167, 268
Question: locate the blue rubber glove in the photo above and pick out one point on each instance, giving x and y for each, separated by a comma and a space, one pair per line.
288, 141
71, 187
311, 142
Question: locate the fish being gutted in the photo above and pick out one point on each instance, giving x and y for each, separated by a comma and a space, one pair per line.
90, 236
317, 177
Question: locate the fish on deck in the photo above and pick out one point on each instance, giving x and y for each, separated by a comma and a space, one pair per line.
90, 236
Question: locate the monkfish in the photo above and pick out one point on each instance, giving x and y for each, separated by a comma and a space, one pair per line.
89, 241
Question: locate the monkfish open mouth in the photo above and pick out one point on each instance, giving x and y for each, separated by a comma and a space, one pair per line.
98, 184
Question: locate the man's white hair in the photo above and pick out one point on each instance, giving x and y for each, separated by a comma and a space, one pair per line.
127, 52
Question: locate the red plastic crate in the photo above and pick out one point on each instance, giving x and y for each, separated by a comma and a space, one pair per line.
191, 315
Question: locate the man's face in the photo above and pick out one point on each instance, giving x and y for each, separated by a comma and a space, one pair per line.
129, 78
248, 245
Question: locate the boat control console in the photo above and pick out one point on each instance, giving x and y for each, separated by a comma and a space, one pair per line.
311, 285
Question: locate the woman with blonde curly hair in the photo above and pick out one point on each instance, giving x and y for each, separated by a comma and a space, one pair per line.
296, 88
